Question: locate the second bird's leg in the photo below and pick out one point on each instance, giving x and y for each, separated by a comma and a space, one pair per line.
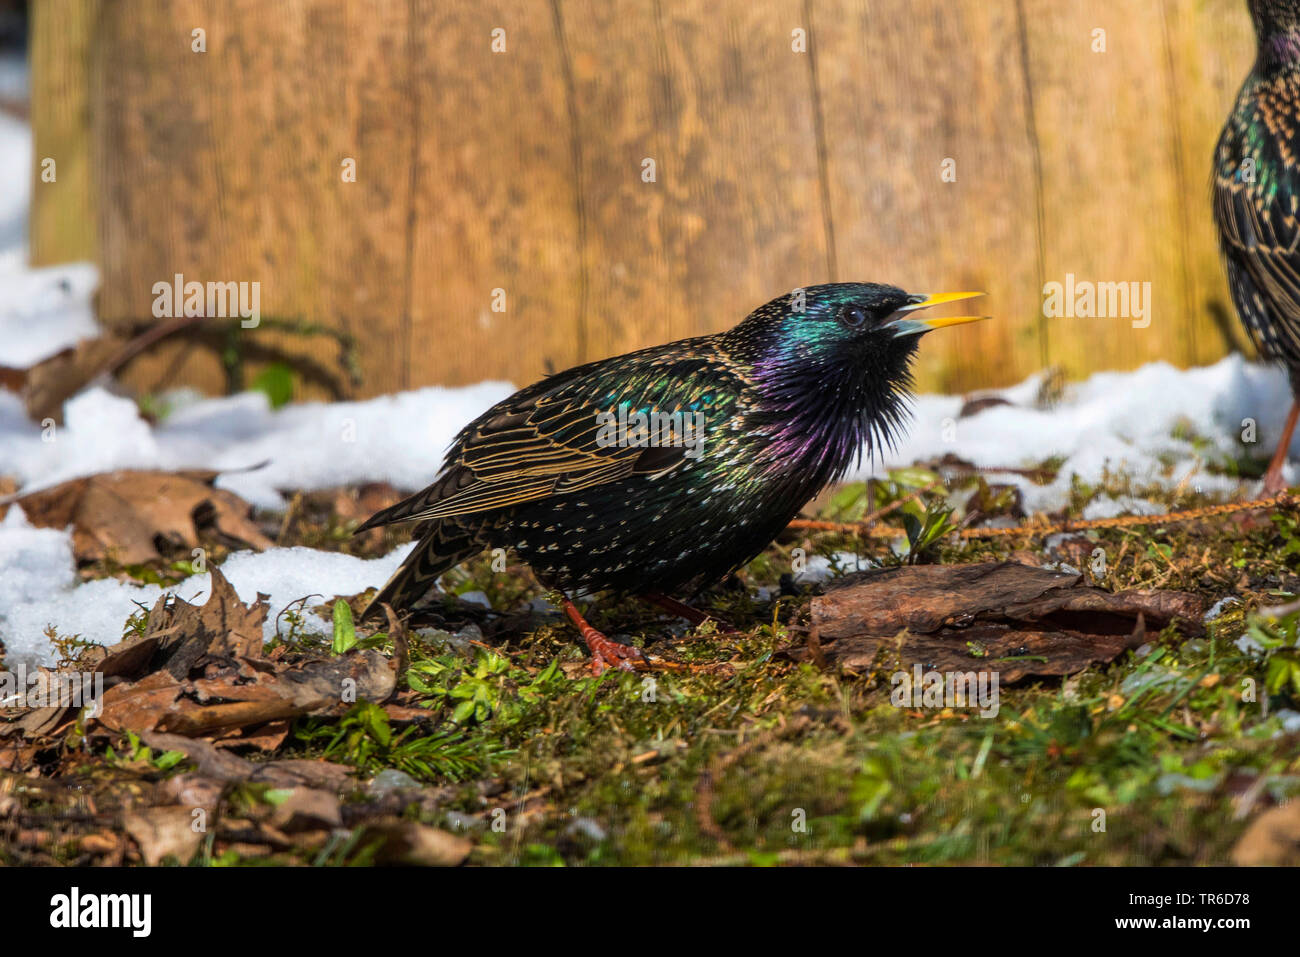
683, 610
1273, 481
604, 653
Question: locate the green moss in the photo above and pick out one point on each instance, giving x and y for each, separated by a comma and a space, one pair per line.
1142, 761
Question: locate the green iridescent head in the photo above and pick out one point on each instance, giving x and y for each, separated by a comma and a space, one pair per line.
839, 325
832, 364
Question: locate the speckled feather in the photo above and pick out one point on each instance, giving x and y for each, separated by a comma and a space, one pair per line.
1257, 188
790, 400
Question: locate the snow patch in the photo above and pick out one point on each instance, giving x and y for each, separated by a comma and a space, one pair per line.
16, 174
820, 568
1106, 506
42, 311
39, 587
399, 439
1121, 422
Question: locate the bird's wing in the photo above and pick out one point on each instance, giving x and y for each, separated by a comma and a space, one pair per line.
550, 439
1260, 235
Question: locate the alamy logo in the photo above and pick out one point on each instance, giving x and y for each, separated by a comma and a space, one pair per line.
75, 909
42, 688
651, 429
1085, 299
946, 689
213, 300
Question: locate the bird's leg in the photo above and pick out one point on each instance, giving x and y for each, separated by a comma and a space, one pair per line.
1273, 481
604, 653
683, 610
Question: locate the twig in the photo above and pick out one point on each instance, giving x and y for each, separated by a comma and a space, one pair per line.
154, 333
1043, 528
866, 521
288, 517
705, 787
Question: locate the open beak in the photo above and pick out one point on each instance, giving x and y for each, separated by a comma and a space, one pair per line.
907, 325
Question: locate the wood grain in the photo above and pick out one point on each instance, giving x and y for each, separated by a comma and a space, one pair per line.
522, 170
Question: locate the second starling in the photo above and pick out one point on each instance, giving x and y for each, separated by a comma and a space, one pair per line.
661, 471
1257, 201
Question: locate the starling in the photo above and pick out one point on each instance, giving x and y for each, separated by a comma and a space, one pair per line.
1257, 199
663, 470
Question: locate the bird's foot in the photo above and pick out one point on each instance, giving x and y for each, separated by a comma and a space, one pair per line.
605, 653
693, 615
1274, 483
610, 654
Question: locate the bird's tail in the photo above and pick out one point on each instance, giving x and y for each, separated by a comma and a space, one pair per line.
440, 545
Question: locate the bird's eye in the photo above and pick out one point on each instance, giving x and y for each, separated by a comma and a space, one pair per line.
854, 317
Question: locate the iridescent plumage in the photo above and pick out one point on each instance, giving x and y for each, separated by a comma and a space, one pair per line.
1257, 197
789, 399
1257, 187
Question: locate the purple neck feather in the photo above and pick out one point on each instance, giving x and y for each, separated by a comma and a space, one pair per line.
822, 417
1283, 47
1280, 49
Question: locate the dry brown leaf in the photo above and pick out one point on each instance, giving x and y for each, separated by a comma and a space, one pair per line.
13, 380
141, 516
126, 659
1273, 839
358, 504
38, 722
139, 706
236, 627
189, 637
16, 757
51, 382
191, 790
163, 832
409, 843
400, 714
198, 670
180, 637
268, 737
221, 765
194, 719
222, 627
100, 842
337, 682
315, 687
307, 809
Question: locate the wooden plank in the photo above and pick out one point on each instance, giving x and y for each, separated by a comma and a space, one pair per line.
1211, 47
906, 86
497, 201
522, 170
712, 94
1125, 191
239, 178
62, 213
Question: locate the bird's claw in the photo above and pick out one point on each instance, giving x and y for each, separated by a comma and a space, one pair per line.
611, 654
1274, 482
605, 653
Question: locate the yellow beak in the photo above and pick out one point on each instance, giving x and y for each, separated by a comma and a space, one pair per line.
905, 325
